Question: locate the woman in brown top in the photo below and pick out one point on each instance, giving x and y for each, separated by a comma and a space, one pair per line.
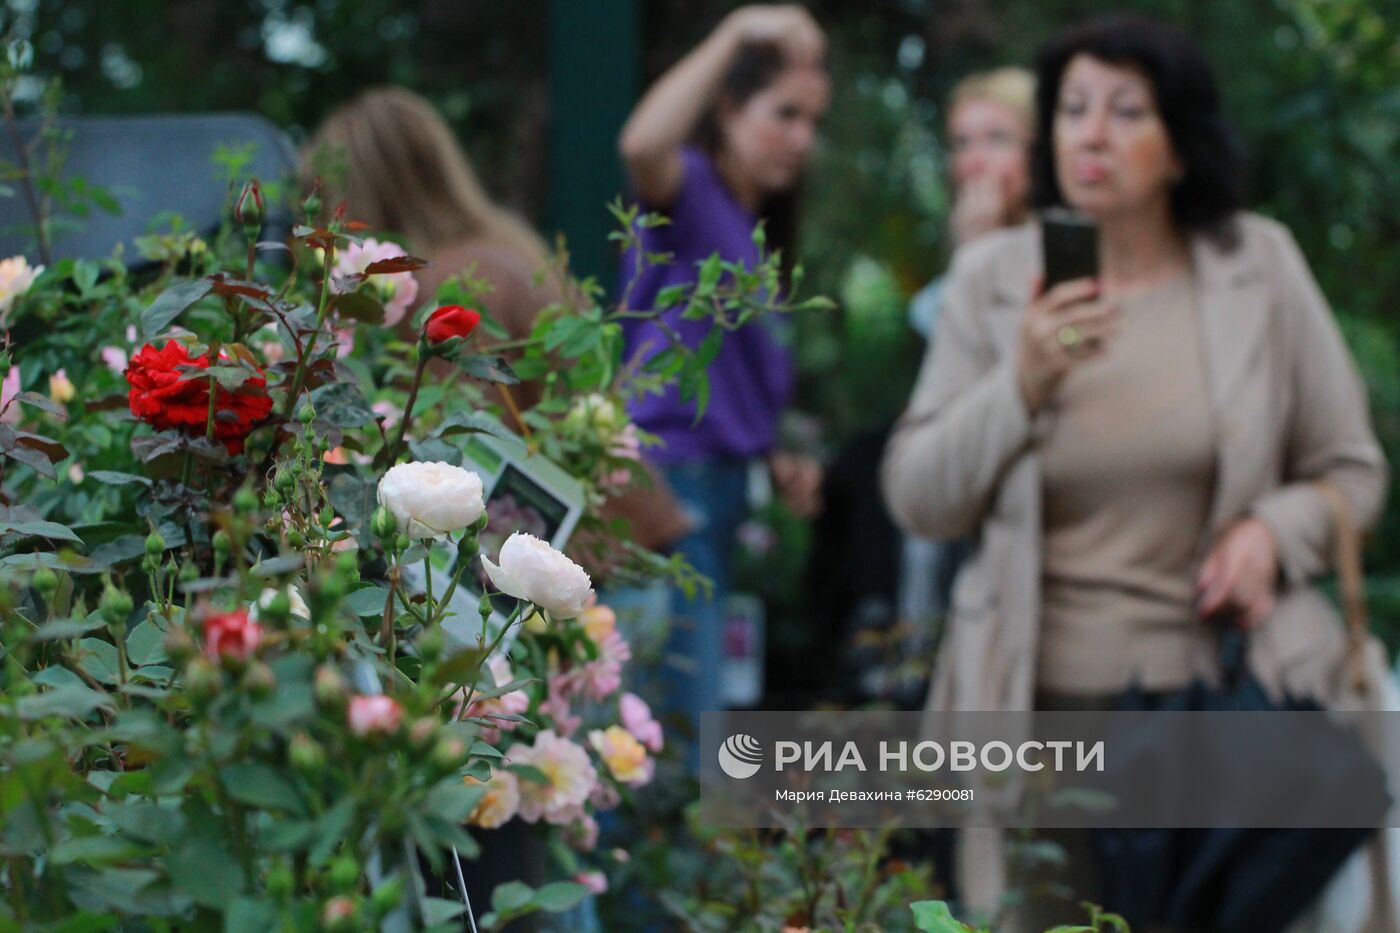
1137, 453
403, 171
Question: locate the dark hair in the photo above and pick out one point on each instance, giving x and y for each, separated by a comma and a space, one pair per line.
1183, 85
755, 67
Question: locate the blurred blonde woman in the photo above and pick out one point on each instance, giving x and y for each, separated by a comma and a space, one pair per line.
991, 118
396, 163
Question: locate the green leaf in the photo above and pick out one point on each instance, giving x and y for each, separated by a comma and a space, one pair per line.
246, 915
204, 869
440, 910
85, 923
489, 368
511, 897
331, 828
367, 601
73, 700
230, 377
454, 801
289, 835
94, 850
529, 773
262, 786
935, 917
459, 668
559, 896
670, 296
113, 478
145, 644
85, 275
51, 530
708, 278
147, 821
172, 303
99, 660
57, 629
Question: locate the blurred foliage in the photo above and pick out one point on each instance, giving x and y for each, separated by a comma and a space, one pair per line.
1313, 86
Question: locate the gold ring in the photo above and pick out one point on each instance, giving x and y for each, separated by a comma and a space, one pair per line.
1069, 336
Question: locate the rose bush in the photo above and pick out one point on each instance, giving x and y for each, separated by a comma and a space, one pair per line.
223, 704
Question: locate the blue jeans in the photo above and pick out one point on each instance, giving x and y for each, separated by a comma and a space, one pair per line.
716, 493
687, 681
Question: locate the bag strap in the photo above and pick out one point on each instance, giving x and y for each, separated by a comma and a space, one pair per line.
1346, 539
1347, 558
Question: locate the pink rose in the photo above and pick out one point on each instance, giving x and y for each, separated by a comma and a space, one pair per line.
374, 714
9, 388
397, 290
637, 719
595, 881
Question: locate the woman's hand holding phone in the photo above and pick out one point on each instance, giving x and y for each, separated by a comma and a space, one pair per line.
1062, 327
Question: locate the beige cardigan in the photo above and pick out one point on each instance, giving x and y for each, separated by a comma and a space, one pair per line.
1288, 407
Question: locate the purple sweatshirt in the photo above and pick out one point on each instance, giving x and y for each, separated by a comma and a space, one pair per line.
752, 377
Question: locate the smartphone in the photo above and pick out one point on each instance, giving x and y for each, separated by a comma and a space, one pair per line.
1070, 246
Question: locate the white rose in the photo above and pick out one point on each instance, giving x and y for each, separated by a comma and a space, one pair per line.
430, 500
16, 275
533, 570
294, 599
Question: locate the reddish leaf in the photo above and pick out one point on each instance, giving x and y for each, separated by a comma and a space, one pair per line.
51, 448
360, 307
356, 225
397, 264
235, 287
44, 403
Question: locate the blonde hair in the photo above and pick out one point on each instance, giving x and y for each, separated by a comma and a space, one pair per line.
395, 162
1012, 88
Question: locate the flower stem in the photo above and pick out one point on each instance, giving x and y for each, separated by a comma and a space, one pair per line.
515, 616
322, 307
418, 371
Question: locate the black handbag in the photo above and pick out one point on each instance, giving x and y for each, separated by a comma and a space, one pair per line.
1204, 880
1210, 880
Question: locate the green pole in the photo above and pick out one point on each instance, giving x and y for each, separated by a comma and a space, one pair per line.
593, 85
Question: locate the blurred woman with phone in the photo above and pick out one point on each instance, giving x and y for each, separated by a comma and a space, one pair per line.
1137, 450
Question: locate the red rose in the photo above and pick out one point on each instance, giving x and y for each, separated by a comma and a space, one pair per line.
231, 635
451, 321
164, 399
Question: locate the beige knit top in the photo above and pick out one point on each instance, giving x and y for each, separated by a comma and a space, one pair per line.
1129, 468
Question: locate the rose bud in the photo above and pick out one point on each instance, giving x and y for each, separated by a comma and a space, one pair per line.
179, 646
231, 637
250, 208
330, 688
202, 678
115, 606
306, 754
259, 680
311, 207
451, 321
344, 873
374, 715
449, 753
340, 915
422, 733
387, 896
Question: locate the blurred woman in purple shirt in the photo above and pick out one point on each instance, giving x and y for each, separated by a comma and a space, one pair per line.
717, 145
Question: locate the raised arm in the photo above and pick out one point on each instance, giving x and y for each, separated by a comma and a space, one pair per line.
667, 115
